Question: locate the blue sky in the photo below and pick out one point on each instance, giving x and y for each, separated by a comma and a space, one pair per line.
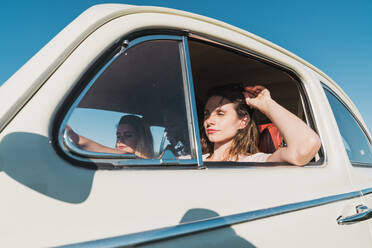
335, 36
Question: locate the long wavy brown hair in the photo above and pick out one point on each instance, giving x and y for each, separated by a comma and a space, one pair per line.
245, 142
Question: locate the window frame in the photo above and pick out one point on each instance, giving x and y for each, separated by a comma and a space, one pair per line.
355, 118
113, 162
94, 160
305, 100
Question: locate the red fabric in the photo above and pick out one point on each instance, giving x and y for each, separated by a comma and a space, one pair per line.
274, 132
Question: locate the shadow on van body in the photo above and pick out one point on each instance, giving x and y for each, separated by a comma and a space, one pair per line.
221, 237
31, 160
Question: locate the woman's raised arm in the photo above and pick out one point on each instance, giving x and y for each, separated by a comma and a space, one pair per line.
302, 142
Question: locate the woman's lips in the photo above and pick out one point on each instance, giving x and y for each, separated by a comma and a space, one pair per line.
211, 131
121, 147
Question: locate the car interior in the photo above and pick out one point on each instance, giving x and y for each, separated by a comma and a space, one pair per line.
214, 65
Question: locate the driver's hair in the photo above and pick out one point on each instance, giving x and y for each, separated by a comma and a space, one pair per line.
144, 147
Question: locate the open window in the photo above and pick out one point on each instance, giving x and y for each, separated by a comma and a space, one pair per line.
214, 64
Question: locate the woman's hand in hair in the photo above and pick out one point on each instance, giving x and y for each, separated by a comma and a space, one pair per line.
257, 97
302, 142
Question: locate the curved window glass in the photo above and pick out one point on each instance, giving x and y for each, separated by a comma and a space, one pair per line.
356, 142
134, 108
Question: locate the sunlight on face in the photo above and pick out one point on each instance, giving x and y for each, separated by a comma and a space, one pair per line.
221, 121
126, 138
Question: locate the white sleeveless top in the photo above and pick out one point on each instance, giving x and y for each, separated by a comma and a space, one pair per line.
257, 157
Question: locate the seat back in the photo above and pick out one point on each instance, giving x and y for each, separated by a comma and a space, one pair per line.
270, 138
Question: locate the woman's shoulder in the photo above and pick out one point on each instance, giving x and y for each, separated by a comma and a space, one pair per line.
257, 157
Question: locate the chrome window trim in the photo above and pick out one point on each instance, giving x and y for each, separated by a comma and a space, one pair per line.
144, 38
120, 160
302, 92
366, 191
189, 86
354, 163
155, 235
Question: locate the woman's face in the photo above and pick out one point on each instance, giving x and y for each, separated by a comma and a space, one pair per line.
126, 138
221, 121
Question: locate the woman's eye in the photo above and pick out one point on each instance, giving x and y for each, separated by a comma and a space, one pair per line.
128, 135
220, 113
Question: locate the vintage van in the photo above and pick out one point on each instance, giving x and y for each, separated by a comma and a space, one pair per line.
157, 64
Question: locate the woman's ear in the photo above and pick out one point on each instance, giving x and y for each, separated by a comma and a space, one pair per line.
244, 122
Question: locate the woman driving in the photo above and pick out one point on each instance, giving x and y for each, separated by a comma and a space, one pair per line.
133, 136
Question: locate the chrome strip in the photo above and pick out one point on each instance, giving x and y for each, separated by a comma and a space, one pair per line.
194, 125
366, 192
153, 37
114, 159
145, 237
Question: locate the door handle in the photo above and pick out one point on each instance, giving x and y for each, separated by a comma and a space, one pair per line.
363, 213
